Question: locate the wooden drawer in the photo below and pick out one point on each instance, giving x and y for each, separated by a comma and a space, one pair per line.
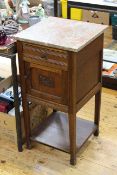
45, 56
46, 82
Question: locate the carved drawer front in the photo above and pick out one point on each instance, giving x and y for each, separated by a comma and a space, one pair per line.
47, 83
45, 56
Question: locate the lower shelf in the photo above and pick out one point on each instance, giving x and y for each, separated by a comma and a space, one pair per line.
55, 131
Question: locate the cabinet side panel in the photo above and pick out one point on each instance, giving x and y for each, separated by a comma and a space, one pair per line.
89, 64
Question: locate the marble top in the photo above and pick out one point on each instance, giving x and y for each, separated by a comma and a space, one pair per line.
111, 3
61, 33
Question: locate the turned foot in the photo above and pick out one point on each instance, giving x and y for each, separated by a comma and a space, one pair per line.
73, 161
20, 149
96, 133
29, 146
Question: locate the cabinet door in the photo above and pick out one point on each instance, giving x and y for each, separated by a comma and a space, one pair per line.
46, 82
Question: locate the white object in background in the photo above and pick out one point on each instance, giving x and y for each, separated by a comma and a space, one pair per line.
107, 65
23, 13
24, 6
110, 55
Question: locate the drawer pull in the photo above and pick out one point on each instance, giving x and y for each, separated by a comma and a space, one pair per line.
46, 81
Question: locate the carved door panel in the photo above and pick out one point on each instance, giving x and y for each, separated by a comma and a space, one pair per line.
46, 82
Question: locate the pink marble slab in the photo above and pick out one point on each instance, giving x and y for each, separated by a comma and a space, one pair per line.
61, 33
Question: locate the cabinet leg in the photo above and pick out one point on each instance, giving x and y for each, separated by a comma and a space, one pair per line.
72, 136
97, 111
28, 144
17, 103
26, 123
